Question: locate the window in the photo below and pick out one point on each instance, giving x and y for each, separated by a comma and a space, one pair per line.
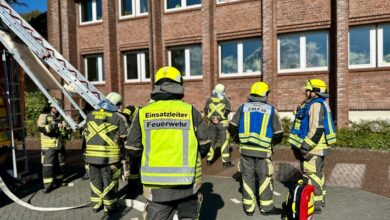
94, 70
188, 60
240, 57
90, 11
362, 47
303, 52
136, 66
384, 45
131, 8
171, 5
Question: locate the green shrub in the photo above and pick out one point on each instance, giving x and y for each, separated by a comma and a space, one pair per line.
36, 102
364, 134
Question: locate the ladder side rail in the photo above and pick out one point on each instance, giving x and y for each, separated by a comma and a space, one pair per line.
43, 49
25, 67
16, 81
10, 120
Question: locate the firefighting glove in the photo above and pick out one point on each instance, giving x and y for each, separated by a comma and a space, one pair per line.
125, 170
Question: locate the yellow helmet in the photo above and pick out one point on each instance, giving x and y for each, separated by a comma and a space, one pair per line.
168, 72
260, 89
316, 85
114, 98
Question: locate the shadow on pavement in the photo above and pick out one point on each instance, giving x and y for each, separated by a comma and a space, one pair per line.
212, 202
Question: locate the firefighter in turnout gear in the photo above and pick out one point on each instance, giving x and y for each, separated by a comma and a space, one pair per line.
217, 109
54, 133
105, 133
312, 133
134, 176
257, 127
170, 137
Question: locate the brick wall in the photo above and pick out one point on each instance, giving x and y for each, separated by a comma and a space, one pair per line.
214, 23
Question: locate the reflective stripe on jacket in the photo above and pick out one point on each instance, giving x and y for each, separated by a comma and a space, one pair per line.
170, 144
255, 127
102, 135
301, 126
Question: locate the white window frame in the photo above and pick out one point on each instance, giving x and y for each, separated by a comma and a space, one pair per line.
141, 66
302, 54
183, 6
225, 1
100, 67
187, 61
136, 9
240, 60
120, 10
94, 14
373, 53
380, 45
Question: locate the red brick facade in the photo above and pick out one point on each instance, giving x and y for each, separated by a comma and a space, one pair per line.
212, 23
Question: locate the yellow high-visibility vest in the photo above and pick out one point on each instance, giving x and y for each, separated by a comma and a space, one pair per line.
170, 144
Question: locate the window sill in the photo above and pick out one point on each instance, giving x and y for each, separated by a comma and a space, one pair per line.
193, 79
300, 73
137, 83
90, 23
218, 4
369, 69
98, 83
182, 10
241, 75
132, 17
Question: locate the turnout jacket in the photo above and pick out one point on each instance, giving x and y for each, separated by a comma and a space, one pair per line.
104, 134
313, 130
218, 108
53, 137
261, 134
171, 137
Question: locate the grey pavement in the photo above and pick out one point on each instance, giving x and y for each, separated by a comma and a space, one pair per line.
222, 200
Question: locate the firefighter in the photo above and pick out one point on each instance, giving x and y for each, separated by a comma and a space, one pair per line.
312, 133
217, 109
170, 137
54, 133
257, 127
105, 133
87, 109
134, 178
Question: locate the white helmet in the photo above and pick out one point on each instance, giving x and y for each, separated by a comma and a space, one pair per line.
219, 88
114, 98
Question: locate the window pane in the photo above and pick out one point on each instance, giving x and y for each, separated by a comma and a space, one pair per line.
196, 61
92, 68
316, 50
173, 4
147, 66
289, 52
143, 6
127, 7
178, 60
229, 58
359, 45
86, 10
193, 2
386, 44
252, 55
98, 9
131, 66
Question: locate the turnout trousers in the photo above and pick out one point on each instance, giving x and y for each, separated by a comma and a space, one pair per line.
262, 168
53, 166
313, 173
187, 208
104, 185
220, 131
